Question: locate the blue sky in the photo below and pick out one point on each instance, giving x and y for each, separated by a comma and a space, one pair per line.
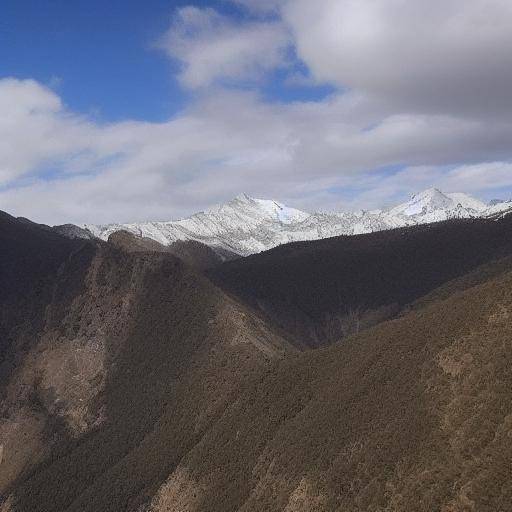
98, 55
124, 110
101, 56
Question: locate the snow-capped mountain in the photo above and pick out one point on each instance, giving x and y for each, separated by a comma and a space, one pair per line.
246, 225
499, 209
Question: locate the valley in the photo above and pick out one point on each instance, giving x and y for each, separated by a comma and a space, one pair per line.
368, 372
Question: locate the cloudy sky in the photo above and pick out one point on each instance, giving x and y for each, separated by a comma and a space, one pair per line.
129, 110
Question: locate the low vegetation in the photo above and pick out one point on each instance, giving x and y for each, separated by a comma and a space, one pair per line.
205, 397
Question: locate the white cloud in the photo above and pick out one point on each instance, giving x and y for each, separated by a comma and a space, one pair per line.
448, 56
429, 91
32, 123
477, 177
212, 48
219, 146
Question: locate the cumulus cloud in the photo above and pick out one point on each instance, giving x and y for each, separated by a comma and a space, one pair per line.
213, 48
449, 56
31, 125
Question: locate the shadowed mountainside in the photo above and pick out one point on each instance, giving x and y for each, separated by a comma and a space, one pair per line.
131, 383
321, 291
125, 362
412, 415
197, 255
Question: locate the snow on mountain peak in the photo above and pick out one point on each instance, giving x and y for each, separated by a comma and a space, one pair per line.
430, 194
243, 198
422, 203
281, 212
244, 205
466, 201
434, 205
246, 225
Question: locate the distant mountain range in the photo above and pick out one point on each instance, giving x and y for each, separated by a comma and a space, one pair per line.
246, 225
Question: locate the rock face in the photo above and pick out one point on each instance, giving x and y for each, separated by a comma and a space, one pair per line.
130, 381
246, 226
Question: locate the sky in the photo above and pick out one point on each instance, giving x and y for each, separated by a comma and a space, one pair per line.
126, 111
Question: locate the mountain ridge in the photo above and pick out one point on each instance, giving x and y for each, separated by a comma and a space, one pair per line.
319, 291
247, 225
129, 381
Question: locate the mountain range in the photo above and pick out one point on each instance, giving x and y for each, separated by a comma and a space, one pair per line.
370, 372
246, 225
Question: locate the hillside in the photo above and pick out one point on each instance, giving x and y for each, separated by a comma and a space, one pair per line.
131, 382
321, 291
412, 415
110, 360
195, 254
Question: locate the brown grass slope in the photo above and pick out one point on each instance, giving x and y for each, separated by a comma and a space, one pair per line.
321, 291
121, 375
142, 387
412, 415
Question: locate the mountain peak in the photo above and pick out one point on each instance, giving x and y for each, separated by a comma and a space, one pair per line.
466, 201
246, 225
243, 198
429, 193
433, 198
427, 201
